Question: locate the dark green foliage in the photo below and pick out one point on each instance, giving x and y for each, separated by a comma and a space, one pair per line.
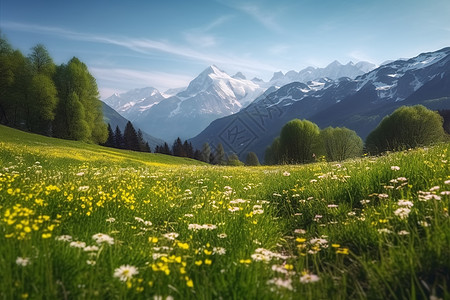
147, 148
188, 149
299, 141
252, 159
341, 143
42, 104
177, 148
130, 138
219, 156
407, 127
205, 153
15, 79
110, 141
143, 145
233, 160
273, 153
166, 149
445, 114
197, 155
118, 139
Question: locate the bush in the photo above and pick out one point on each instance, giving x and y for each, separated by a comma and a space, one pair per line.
341, 143
299, 140
407, 127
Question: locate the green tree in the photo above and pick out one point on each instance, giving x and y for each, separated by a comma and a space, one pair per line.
75, 78
205, 153
299, 140
77, 128
341, 143
6, 77
272, 155
118, 139
130, 138
143, 145
219, 155
41, 61
252, 159
110, 140
41, 108
178, 149
166, 149
407, 127
188, 149
15, 78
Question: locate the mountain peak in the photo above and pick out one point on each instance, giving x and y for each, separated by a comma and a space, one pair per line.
212, 69
277, 75
239, 75
334, 64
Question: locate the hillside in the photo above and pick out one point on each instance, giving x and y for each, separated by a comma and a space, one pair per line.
13, 141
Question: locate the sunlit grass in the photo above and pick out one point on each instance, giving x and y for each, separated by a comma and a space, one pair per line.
169, 229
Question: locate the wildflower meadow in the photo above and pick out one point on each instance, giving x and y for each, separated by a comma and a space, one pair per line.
79, 221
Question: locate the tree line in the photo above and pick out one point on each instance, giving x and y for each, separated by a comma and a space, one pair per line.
55, 100
208, 154
130, 139
301, 141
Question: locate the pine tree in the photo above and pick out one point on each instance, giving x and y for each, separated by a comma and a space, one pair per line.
147, 148
110, 141
188, 149
220, 156
205, 153
130, 138
166, 149
177, 148
143, 146
252, 159
118, 139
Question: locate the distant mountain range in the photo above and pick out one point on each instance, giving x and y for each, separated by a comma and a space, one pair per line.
334, 71
358, 103
211, 95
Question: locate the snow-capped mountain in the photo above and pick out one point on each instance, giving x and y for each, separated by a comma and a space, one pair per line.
335, 70
211, 95
358, 104
132, 103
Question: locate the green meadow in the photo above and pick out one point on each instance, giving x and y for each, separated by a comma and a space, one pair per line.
80, 221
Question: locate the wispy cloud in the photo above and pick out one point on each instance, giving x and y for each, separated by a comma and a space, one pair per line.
147, 46
202, 36
266, 17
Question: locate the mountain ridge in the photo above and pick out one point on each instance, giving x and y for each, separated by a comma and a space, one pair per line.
358, 104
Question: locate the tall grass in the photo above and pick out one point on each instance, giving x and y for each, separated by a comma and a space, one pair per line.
318, 231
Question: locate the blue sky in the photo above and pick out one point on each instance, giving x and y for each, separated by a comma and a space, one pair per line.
165, 44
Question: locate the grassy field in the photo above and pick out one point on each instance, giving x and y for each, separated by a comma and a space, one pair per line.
80, 221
